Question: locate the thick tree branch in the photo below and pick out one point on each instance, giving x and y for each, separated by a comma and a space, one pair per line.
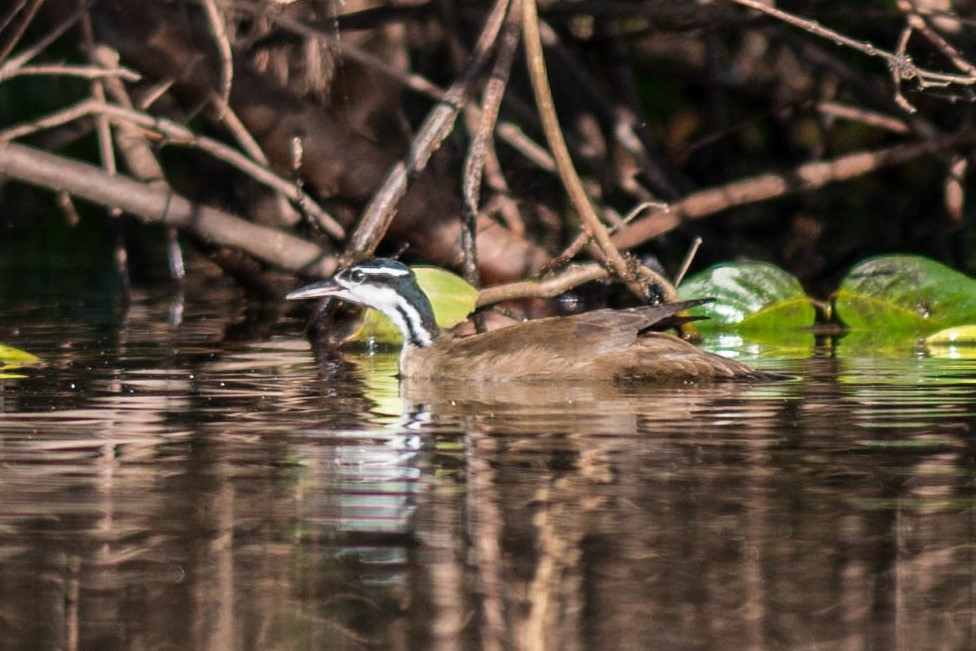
157, 205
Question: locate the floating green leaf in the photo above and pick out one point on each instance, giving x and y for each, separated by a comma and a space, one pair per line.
957, 336
953, 343
750, 295
12, 358
452, 298
877, 344
906, 293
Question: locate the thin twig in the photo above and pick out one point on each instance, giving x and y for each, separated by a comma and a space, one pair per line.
545, 288
13, 64
219, 30
550, 287
917, 21
475, 160
584, 238
862, 115
513, 135
686, 263
900, 64
84, 72
21, 28
238, 130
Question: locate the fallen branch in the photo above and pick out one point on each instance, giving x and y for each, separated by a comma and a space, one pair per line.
156, 205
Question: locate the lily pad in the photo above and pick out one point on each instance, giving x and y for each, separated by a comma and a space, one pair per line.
905, 293
452, 298
749, 295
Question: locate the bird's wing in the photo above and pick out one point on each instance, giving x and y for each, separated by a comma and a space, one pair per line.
599, 332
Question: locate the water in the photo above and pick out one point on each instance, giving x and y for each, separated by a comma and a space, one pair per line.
171, 479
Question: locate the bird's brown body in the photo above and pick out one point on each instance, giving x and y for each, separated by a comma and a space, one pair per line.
602, 346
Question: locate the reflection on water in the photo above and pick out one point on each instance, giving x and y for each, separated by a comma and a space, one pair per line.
166, 485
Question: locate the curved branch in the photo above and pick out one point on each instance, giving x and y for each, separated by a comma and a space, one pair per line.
546, 288
567, 172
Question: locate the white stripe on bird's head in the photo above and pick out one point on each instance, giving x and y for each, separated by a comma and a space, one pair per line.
398, 271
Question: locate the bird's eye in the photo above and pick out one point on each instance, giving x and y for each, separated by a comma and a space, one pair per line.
357, 276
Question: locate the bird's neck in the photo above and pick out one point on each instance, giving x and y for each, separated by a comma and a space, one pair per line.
414, 317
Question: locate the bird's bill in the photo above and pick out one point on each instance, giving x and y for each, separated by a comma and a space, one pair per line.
315, 290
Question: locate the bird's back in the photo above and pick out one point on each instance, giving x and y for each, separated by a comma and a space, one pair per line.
603, 345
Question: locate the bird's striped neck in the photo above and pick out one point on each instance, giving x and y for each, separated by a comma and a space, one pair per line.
413, 316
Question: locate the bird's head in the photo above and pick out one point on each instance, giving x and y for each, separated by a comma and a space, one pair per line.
385, 285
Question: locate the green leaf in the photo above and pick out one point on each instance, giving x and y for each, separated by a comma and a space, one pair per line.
12, 358
877, 344
953, 343
905, 293
749, 295
957, 336
452, 298
752, 344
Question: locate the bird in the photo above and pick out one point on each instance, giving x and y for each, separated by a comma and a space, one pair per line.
604, 345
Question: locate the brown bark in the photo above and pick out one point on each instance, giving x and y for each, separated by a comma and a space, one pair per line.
340, 164
157, 204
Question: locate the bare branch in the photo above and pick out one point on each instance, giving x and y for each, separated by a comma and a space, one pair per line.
546, 288
15, 63
567, 172
770, 186
379, 213
475, 161
219, 30
84, 72
177, 134
900, 64
156, 205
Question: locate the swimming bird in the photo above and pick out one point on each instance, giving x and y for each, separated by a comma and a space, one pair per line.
604, 345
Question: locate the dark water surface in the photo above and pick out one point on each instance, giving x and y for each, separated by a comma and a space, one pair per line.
165, 483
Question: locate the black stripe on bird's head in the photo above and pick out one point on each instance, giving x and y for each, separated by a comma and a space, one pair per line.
385, 285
